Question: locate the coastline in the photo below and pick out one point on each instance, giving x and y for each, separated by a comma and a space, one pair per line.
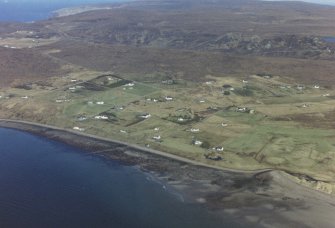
260, 197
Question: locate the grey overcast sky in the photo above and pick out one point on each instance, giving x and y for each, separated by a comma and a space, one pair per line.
329, 2
56, 1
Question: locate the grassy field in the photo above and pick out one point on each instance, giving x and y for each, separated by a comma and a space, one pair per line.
262, 138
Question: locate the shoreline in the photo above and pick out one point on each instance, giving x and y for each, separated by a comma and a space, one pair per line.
260, 197
133, 146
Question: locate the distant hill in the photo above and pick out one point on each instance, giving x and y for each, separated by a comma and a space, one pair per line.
207, 36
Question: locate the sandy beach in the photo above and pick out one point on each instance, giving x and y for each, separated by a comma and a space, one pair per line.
260, 198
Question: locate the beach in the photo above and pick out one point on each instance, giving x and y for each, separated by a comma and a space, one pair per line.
262, 198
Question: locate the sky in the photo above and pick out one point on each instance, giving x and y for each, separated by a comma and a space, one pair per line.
56, 1
87, 1
328, 2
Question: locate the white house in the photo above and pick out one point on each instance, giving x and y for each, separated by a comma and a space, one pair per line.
82, 118
78, 129
197, 142
123, 131
101, 117
168, 98
146, 116
130, 84
219, 148
316, 87
158, 137
300, 87
156, 129
245, 81
100, 102
239, 109
224, 124
195, 129
180, 119
24, 97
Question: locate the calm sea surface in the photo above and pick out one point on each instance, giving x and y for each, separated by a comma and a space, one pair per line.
48, 184
30, 10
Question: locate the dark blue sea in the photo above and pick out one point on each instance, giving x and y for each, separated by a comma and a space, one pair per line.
33, 10
45, 183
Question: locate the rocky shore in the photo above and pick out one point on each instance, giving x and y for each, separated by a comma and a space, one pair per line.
264, 198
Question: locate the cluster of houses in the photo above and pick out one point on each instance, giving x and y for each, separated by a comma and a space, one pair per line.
129, 85
298, 87
214, 152
7, 46
152, 99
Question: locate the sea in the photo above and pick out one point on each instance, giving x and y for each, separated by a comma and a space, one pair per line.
33, 10
44, 183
